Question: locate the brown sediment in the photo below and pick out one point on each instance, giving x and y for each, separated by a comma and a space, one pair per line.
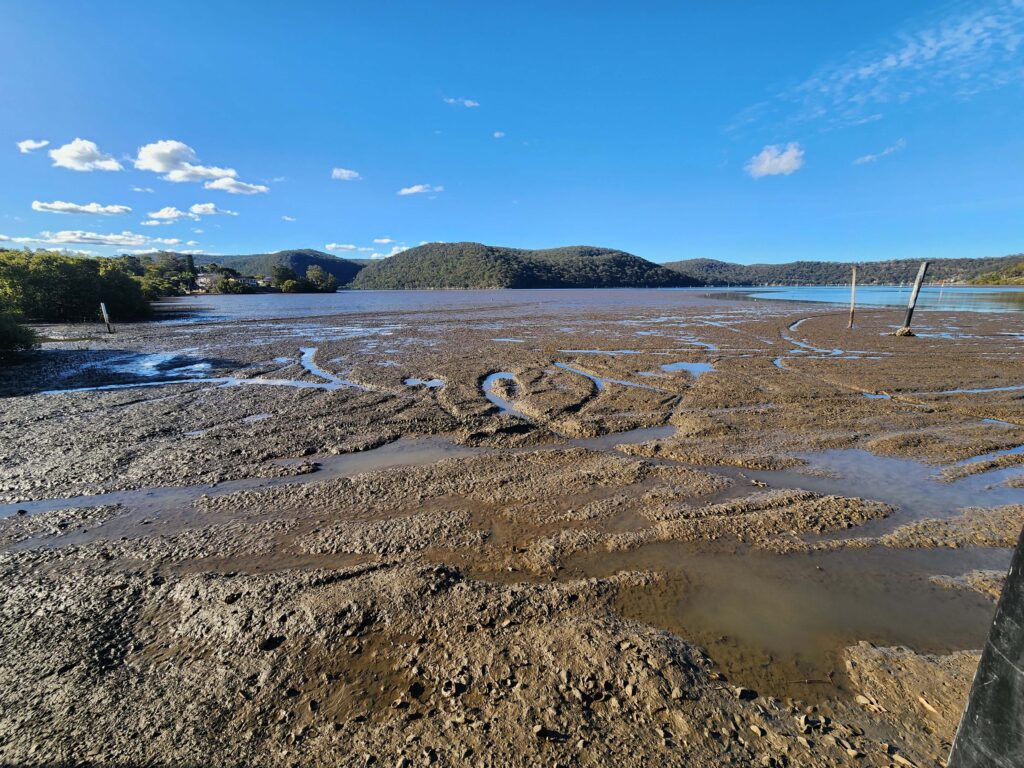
403, 572
988, 583
987, 465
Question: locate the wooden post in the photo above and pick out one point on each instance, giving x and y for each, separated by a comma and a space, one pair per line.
106, 317
853, 294
905, 330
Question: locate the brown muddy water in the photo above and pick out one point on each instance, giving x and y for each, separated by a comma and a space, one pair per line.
777, 623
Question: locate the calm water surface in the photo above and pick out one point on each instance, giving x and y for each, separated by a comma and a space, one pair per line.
277, 305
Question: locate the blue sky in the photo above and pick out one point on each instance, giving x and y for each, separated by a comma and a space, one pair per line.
739, 131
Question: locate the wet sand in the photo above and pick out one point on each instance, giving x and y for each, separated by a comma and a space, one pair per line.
655, 528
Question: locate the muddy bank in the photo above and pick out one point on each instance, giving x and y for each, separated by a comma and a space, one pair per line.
657, 538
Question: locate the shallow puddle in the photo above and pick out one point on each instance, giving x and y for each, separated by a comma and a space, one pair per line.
915, 489
694, 369
178, 499
503, 405
772, 622
600, 382
428, 383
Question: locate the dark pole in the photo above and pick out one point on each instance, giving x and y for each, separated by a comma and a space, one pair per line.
991, 732
913, 294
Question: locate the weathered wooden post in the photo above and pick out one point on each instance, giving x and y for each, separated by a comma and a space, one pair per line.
853, 294
905, 330
991, 732
106, 317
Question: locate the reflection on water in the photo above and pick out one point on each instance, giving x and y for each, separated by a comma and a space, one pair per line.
950, 298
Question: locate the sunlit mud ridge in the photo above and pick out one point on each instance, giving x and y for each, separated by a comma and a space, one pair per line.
672, 531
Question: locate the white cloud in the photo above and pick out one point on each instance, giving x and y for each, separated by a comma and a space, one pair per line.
461, 102
178, 162
152, 223
419, 189
141, 189
30, 145
340, 247
383, 240
288, 218
235, 187
209, 209
59, 206
901, 144
499, 134
774, 160
82, 155
345, 174
168, 214
395, 250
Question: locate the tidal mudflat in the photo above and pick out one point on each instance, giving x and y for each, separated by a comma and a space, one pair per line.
510, 528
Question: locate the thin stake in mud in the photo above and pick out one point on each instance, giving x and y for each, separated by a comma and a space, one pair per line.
106, 317
853, 294
905, 330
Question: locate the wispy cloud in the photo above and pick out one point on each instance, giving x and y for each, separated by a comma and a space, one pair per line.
498, 134
170, 214
460, 102
30, 145
383, 240
94, 209
288, 218
345, 174
951, 53
142, 189
236, 187
341, 247
776, 160
420, 189
81, 237
83, 155
901, 144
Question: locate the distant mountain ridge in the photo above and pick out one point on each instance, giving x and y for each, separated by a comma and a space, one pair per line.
718, 273
474, 265
299, 260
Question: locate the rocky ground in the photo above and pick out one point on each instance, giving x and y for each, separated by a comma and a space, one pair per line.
287, 555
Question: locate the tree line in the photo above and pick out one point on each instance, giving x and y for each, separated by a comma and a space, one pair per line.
48, 287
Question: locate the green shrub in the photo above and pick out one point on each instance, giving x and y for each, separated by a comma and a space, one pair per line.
14, 337
52, 287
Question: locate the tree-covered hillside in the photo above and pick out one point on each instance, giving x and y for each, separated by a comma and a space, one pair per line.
714, 272
473, 265
1012, 274
299, 261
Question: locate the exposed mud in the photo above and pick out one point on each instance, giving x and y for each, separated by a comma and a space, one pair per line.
655, 538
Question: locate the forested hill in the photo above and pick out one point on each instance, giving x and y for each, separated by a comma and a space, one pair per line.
298, 260
1010, 274
714, 272
473, 265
